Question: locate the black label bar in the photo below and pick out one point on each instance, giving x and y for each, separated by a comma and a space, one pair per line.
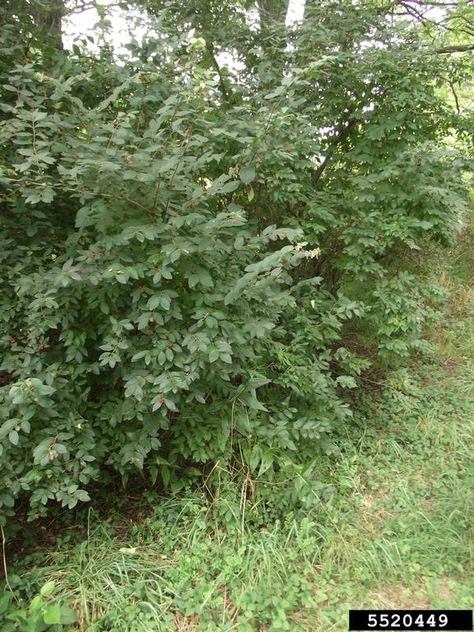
427, 620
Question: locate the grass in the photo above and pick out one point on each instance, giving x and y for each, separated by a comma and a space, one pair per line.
396, 533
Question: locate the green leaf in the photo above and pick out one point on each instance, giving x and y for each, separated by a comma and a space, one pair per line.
229, 187
52, 614
5, 600
68, 615
346, 381
213, 355
247, 174
48, 588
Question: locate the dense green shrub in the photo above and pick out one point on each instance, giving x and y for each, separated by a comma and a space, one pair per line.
197, 265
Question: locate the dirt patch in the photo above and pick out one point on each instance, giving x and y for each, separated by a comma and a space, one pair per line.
400, 596
186, 624
372, 510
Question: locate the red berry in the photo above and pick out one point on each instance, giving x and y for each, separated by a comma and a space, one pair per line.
12, 340
161, 401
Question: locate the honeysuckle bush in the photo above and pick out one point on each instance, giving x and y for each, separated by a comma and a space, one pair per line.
199, 261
